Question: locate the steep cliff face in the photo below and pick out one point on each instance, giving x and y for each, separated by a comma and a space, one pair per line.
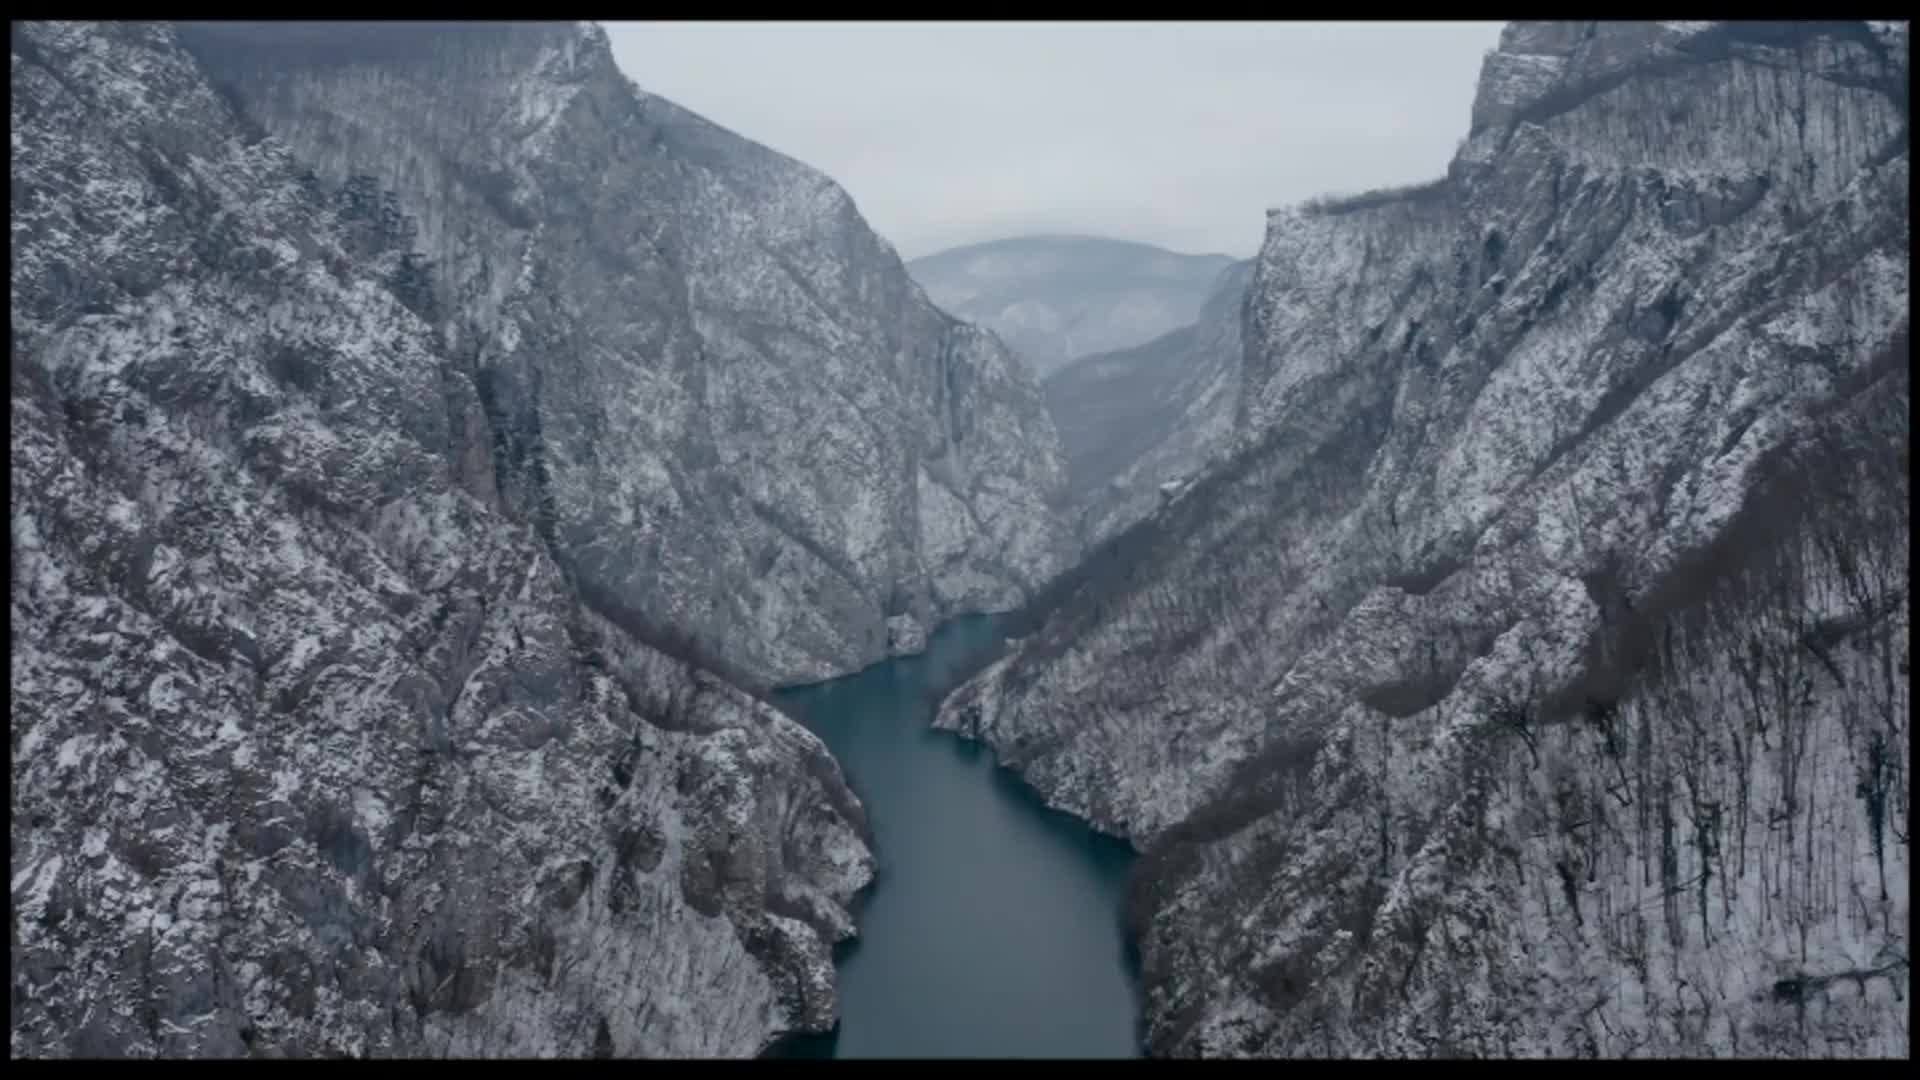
721, 396
1534, 677
315, 750
1058, 298
1139, 423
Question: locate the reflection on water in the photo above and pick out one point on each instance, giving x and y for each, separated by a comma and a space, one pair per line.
995, 926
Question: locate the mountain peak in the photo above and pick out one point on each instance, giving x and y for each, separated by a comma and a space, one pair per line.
1540, 68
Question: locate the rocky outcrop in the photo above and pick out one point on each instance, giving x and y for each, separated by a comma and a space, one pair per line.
316, 748
719, 395
1533, 678
1137, 420
1058, 298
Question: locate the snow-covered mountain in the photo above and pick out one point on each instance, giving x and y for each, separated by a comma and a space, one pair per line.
1533, 678
1138, 423
1055, 298
725, 402
403, 416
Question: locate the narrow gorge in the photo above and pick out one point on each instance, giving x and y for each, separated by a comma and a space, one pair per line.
506, 567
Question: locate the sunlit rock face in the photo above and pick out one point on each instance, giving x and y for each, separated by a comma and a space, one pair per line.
1532, 678
720, 396
326, 738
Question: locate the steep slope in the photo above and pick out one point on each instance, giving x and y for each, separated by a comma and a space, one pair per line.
1138, 423
315, 749
1534, 679
1055, 298
724, 399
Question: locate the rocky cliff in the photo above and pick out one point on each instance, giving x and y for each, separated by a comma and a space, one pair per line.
1534, 677
1057, 298
721, 398
1137, 424
316, 747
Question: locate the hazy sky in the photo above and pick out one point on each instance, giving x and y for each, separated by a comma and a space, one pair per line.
1177, 134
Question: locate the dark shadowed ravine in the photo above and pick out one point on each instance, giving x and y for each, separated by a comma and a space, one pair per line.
994, 927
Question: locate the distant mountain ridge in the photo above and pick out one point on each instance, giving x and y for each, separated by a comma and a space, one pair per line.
1057, 297
1135, 420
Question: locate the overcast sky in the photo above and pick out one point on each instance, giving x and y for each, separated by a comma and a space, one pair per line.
1176, 134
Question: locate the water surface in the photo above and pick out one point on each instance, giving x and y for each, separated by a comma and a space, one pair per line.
994, 927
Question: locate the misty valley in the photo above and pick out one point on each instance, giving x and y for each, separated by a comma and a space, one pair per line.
506, 566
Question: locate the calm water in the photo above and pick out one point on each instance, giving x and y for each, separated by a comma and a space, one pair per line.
994, 927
